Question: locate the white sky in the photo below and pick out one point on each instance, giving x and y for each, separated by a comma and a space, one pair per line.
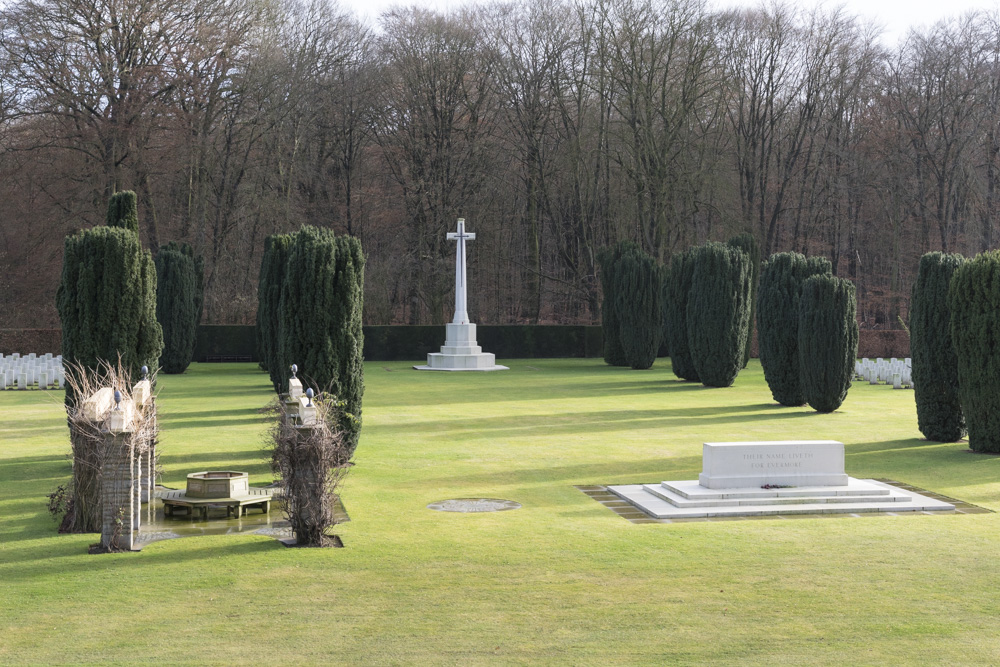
897, 16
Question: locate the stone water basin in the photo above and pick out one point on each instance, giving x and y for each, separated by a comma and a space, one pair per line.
217, 484
217, 488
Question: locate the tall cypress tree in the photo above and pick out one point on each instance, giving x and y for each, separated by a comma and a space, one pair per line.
123, 211
747, 242
607, 258
974, 299
718, 313
677, 285
273, 266
319, 318
178, 303
935, 366
637, 301
107, 301
778, 321
828, 340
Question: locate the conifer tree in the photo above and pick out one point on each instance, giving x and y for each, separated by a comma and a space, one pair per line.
607, 258
718, 313
123, 211
935, 366
828, 340
747, 242
272, 276
974, 299
778, 321
638, 283
178, 304
319, 318
107, 306
677, 285
107, 301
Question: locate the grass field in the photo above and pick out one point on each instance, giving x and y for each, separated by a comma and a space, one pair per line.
562, 580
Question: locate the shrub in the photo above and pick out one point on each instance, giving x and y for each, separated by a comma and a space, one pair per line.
607, 258
935, 366
974, 299
177, 305
676, 286
310, 463
637, 301
269, 282
319, 318
718, 313
778, 322
123, 211
828, 340
748, 244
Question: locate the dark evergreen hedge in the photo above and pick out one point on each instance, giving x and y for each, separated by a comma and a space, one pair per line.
718, 313
178, 303
272, 276
828, 340
676, 286
747, 242
637, 300
778, 322
935, 366
123, 211
319, 318
607, 258
107, 301
974, 299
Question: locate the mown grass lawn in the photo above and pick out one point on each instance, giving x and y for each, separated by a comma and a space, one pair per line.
562, 580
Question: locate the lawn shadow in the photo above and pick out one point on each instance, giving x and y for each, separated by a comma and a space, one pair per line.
632, 471
71, 564
569, 423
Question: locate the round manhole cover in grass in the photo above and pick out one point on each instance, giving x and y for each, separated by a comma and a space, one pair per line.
474, 505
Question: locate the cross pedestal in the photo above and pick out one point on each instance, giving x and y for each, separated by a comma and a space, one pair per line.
460, 351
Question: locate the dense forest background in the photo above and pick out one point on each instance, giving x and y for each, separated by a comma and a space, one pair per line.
553, 127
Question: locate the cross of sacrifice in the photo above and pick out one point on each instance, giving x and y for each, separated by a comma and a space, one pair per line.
461, 312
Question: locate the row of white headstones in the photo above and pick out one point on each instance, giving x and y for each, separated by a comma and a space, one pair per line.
897, 372
31, 371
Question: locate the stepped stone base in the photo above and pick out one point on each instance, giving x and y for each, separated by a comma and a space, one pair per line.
460, 352
688, 499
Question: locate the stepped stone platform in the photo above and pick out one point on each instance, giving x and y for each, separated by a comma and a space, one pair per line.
757, 479
460, 352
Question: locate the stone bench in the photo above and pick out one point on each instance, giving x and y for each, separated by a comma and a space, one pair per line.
259, 498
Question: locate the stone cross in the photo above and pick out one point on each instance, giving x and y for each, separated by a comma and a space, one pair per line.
461, 310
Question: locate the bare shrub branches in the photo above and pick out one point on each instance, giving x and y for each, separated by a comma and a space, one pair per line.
311, 462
